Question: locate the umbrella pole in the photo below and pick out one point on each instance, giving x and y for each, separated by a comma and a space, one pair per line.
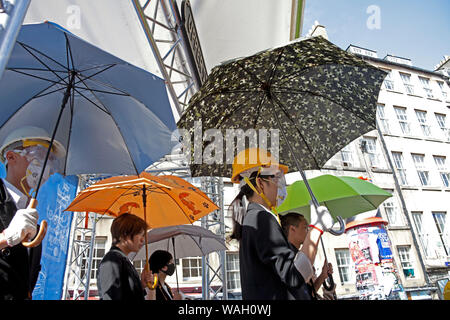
33, 202
147, 264
175, 261
144, 201
297, 164
63, 105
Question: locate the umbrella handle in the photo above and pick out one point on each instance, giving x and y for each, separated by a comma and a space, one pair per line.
41, 233
341, 228
155, 283
328, 286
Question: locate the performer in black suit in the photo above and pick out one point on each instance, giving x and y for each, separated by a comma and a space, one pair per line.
23, 152
117, 279
269, 268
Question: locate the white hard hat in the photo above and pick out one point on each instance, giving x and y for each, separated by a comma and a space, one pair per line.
31, 133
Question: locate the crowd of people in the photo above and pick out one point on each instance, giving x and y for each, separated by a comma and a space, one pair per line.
276, 252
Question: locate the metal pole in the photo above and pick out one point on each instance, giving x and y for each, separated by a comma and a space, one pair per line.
161, 65
11, 28
91, 254
302, 173
175, 261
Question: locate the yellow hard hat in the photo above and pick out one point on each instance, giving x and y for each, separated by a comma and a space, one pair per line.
253, 158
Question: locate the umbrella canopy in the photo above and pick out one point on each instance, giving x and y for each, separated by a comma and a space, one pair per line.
160, 200
189, 240
111, 117
343, 196
320, 97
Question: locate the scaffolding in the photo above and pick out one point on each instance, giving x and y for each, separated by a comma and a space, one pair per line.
165, 32
12, 14
214, 274
79, 264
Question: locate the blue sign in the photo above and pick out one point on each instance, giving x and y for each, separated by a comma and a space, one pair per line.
384, 245
2, 170
54, 196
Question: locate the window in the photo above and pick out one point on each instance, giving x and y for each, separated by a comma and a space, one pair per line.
439, 219
443, 92
423, 237
384, 122
347, 158
419, 162
344, 263
139, 265
192, 268
402, 119
422, 118
404, 252
388, 81
97, 256
406, 78
369, 146
426, 87
393, 214
440, 118
443, 171
398, 162
233, 273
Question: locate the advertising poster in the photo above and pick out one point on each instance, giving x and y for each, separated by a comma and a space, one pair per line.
370, 250
55, 196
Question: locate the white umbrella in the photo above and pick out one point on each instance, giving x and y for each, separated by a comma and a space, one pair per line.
182, 241
189, 241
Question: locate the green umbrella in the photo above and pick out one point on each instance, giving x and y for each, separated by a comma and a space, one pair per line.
343, 196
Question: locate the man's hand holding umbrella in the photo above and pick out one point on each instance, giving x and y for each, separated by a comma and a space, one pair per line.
22, 227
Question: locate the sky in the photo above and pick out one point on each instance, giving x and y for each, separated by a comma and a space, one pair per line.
414, 29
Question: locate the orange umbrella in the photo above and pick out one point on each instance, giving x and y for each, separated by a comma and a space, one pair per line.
168, 200
160, 200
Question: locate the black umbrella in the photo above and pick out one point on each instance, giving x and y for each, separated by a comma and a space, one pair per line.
320, 98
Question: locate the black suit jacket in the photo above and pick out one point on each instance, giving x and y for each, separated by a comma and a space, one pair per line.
267, 260
19, 266
117, 279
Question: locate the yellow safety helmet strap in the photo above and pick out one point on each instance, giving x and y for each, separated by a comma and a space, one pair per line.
263, 196
29, 143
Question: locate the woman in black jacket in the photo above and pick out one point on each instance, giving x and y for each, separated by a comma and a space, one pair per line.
117, 278
269, 268
161, 263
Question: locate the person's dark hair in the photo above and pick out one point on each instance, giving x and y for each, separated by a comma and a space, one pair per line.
158, 260
126, 225
290, 219
237, 209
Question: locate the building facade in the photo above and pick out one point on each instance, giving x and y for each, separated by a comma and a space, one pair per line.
408, 156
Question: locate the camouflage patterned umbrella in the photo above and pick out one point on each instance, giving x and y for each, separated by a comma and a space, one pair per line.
318, 95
